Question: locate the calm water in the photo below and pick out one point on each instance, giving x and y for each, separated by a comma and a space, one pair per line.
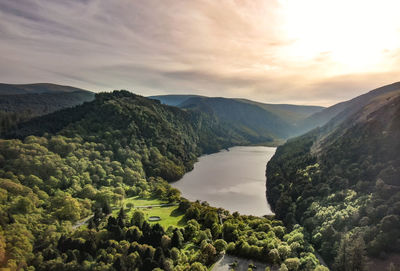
233, 180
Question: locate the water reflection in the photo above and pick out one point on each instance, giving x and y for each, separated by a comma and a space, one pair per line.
234, 180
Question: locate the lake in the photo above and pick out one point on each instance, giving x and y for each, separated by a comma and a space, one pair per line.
233, 180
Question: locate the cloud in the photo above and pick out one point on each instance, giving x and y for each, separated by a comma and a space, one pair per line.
233, 48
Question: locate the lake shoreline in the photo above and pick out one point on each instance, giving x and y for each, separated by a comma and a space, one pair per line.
233, 180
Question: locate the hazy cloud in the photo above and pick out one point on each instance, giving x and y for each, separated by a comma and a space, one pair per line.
234, 48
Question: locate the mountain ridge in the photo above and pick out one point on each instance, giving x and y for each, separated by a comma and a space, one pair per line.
21, 102
341, 110
268, 122
340, 181
36, 88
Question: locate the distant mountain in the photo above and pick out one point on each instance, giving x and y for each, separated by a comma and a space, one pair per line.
20, 103
341, 110
292, 114
174, 100
341, 182
13, 89
126, 112
262, 123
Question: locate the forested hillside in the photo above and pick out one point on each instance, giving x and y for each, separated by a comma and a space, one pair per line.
341, 183
19, 103
38, 88
72, 182
260, 123
342, 110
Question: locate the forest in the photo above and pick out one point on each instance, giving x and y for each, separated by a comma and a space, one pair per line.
21, 107
342, 185
85, 163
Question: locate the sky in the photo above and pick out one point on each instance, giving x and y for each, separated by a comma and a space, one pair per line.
316, 52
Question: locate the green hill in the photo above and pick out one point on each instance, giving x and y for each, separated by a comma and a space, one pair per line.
260, 123
20, 103
173, 99
15, 89
290, 113
341, 182
342, 110
71, 183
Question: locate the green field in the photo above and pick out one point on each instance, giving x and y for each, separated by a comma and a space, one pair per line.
143, 202
170, 216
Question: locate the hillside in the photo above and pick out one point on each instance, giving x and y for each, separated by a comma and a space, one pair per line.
344, 109
260, 123
290, 113
341, 182
173, 99
15, 89
70, 187
20, 103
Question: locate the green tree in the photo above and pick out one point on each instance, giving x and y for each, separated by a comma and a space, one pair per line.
220, 245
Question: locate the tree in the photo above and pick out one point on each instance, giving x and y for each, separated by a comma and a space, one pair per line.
351, 254
191, 229
208, 253
220, 245
273, 256
106, 208
177, 239
159, 256
196, 266
358, 255
321, 268
283, 267
66, 207
165, 242
138, 219
121, 217
2, 247
292, 264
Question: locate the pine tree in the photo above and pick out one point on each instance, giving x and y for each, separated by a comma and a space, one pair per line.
106, 208
176, 240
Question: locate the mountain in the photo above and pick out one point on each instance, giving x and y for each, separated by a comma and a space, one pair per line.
290, 113
103, 112
20, 103
260, 123
344, 109
173, 99
14, 89
73, 182
341, 182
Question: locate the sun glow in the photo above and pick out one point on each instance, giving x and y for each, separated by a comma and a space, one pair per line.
353, 35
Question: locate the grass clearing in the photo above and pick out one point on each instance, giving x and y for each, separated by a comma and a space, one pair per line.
143, 202
170, 215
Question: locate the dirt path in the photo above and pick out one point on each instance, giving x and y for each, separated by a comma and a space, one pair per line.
81, 222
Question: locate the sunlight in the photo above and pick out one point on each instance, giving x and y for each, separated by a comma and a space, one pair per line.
354, 35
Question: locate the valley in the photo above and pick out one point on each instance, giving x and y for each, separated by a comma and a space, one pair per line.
201, 135
124, 182
102, 158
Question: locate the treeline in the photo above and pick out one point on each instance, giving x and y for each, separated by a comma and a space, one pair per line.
131, 243
10, 120
343, 187
80, 163
15, 109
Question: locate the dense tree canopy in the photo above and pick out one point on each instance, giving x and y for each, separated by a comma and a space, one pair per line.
343, 186
80, 164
